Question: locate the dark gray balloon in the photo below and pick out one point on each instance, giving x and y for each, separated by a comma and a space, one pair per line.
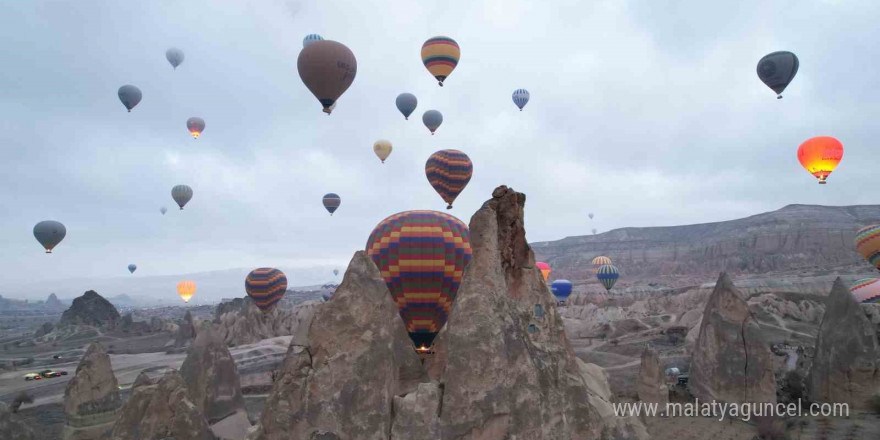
130, 96
163, 210
181, 194
406, 103
49, 233
432, 119
777, 70
174, 56
132, 268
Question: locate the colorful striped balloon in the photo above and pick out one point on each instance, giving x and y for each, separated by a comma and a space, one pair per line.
544, 268
266, 286
866, 290
440, 55
600, 261
561, 289
521, 98
421, 255
607, 275
449, 171
868, 244
331, 202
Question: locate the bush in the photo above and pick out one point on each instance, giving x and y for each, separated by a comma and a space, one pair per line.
874, 404
20, 399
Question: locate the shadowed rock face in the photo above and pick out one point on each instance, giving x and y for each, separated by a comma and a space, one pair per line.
93, 388
12, 427
242, 322
160, 411
846, 368
90, 309
731, 360
211, 377
652, 382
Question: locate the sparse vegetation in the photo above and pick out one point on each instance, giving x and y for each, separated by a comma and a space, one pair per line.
19, 400
874, 404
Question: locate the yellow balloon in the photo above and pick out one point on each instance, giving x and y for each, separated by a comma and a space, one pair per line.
382, 148
186, 289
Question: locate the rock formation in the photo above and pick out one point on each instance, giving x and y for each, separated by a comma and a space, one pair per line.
12, 427
652, 382
186, 331
53, 303
91, 398
731, 360
90, 309
358, 358
240, 322
44, 329
212, 379
160, 411
846, 366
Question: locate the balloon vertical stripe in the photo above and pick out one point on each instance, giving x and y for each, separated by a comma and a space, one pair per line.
266, 286
449, 171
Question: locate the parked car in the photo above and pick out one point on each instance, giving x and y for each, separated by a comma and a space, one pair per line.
49, 373
31, 376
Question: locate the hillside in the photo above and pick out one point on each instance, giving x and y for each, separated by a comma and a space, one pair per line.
796, 236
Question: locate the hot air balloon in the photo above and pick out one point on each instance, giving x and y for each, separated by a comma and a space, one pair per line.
406, 103
196, 126
181, 194
607, 275
544, 268
449, 171
432, 119
266, 286
594, 231
311, 38
868, 244
820, 156
335, 272
331, 202
49, 233
600, 261
174, 56
521, 98
130, 96
382, 148
327, 68
866, 290
421, 255
440, 55
561, 289
590, 215
132, 268
777, 70
186, 289
163, 210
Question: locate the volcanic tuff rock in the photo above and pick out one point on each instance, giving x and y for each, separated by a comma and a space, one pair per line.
92, 396
652, 382
160, 411
211, 377
731, 360
44, 329
186, 331
12, 427
846, 367
53, 303
90, 309
794, 236
241, 322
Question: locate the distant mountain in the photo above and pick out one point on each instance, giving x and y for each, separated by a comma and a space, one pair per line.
796, 236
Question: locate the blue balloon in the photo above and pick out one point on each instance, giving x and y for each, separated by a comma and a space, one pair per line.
521, 98
561, 289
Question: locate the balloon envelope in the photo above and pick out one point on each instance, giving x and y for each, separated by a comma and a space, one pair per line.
421, 256
820, 156
174, 56
406, 103
311, 38
866, 290
186, 290
607, 275
600, 261
132, 268
590, 215
266, 286
777, 69
382, 148
181, 194
130, 96
440, 55
521, 98
868, 244
561, 289
49, 233
196, 126
544, 268
432, 119
327, 68
449, 172
335, 272
331, 202
163, 210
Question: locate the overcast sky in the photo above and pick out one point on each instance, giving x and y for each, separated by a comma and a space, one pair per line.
644, 113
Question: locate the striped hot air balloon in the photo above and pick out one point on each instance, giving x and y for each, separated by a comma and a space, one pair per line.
866, 290
266, 286
868, 244
331, 202
600, 261
311, 38
521, 98
440, 55
607, 275
544, 268
561, 289
421, 255
449, 171
186, 290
